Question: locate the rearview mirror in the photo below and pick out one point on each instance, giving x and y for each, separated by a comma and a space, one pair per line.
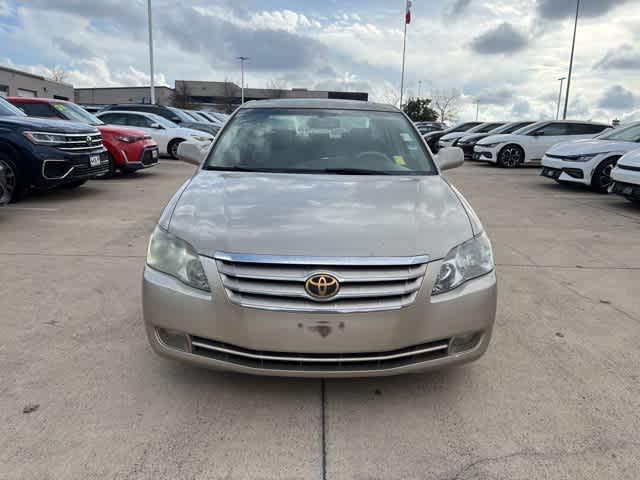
157, 126
450, 157
191, 152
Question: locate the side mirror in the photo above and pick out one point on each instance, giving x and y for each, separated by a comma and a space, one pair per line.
191, 152
537, 133
157, 126
450, 157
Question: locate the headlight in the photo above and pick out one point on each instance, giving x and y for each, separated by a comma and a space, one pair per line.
490, 145
468, 260
44, 138
128, 139
582, 158
173, 256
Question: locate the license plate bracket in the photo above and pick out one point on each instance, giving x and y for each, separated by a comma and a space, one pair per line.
94, 161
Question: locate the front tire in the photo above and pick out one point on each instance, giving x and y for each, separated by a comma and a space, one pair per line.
601, 180
172, 148
15, 185
510, 156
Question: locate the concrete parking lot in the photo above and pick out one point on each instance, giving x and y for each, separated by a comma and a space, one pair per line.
557, 395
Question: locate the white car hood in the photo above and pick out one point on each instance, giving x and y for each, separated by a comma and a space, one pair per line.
452, 136
504, 138
631, 159
320, 215
591, 147
187, 132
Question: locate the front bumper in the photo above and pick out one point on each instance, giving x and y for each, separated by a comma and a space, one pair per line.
148, 158
626, 182
567, 171
224, 335
485, 154
61, 169
467, 150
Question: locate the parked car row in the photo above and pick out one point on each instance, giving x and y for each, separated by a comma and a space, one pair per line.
588, 153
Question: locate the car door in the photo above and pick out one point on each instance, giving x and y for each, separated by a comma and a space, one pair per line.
543, 138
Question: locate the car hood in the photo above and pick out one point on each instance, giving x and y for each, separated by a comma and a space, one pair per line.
119, 130
186, 132
590, 147
474, 137
320, 215
54, 126
631, 159
503, 138
452, 136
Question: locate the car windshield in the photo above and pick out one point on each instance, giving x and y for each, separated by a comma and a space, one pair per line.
321, 141
162, 121
181, 115
462, 127
73, 112
529, 128
485, 127
625, 134
510, 127
8, 110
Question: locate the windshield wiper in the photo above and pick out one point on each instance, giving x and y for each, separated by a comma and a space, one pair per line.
352, 171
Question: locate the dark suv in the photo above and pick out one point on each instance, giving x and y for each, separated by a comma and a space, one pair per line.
36, 153
170, 113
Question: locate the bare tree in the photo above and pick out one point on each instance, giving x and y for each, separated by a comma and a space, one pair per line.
446, 103
58, 74
182, 95
231, 93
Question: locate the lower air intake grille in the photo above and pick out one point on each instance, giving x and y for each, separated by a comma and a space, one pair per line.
319, 362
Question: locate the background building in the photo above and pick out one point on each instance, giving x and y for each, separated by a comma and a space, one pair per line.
221, 96
14, 83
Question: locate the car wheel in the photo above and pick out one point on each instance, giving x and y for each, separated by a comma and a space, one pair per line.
173, 147
601, 180
15, 188
510, 156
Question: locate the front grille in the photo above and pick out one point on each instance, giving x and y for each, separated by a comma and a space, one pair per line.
626, 189
82, 142
147, 157
316, 361
278, 283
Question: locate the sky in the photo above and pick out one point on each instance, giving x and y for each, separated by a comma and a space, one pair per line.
506, 54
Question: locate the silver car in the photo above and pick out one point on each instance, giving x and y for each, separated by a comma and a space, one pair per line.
318, 238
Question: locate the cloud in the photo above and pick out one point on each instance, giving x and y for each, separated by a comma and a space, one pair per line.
5, 11
559, 9
502, 39
617, 98
456, 7
501, 96
625, 57
72, 48
521, 109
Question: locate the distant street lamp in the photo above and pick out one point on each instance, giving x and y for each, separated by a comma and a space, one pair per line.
573, 47
419, 87
242, 60
560, 97
477, 109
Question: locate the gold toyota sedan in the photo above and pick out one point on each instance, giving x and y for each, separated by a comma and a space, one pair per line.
318, 238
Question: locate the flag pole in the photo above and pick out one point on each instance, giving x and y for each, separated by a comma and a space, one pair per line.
404, 51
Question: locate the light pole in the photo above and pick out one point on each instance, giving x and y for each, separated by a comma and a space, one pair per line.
560, 97
477, 109
151, 84
242, 60
573, 47
419, 87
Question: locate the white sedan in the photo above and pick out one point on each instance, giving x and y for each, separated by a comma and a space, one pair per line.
167, 134
626, 177
589, 162
529, 144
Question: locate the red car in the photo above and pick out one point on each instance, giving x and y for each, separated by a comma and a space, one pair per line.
129, 149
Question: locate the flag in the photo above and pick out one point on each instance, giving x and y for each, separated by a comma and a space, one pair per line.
407, 17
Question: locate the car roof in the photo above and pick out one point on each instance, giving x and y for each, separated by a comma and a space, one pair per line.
320, 103
584, 122
129, 112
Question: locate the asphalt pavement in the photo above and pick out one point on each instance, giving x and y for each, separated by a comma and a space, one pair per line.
557, 395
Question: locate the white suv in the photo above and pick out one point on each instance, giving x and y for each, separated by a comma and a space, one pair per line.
529, 144
590, 162
626, 177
